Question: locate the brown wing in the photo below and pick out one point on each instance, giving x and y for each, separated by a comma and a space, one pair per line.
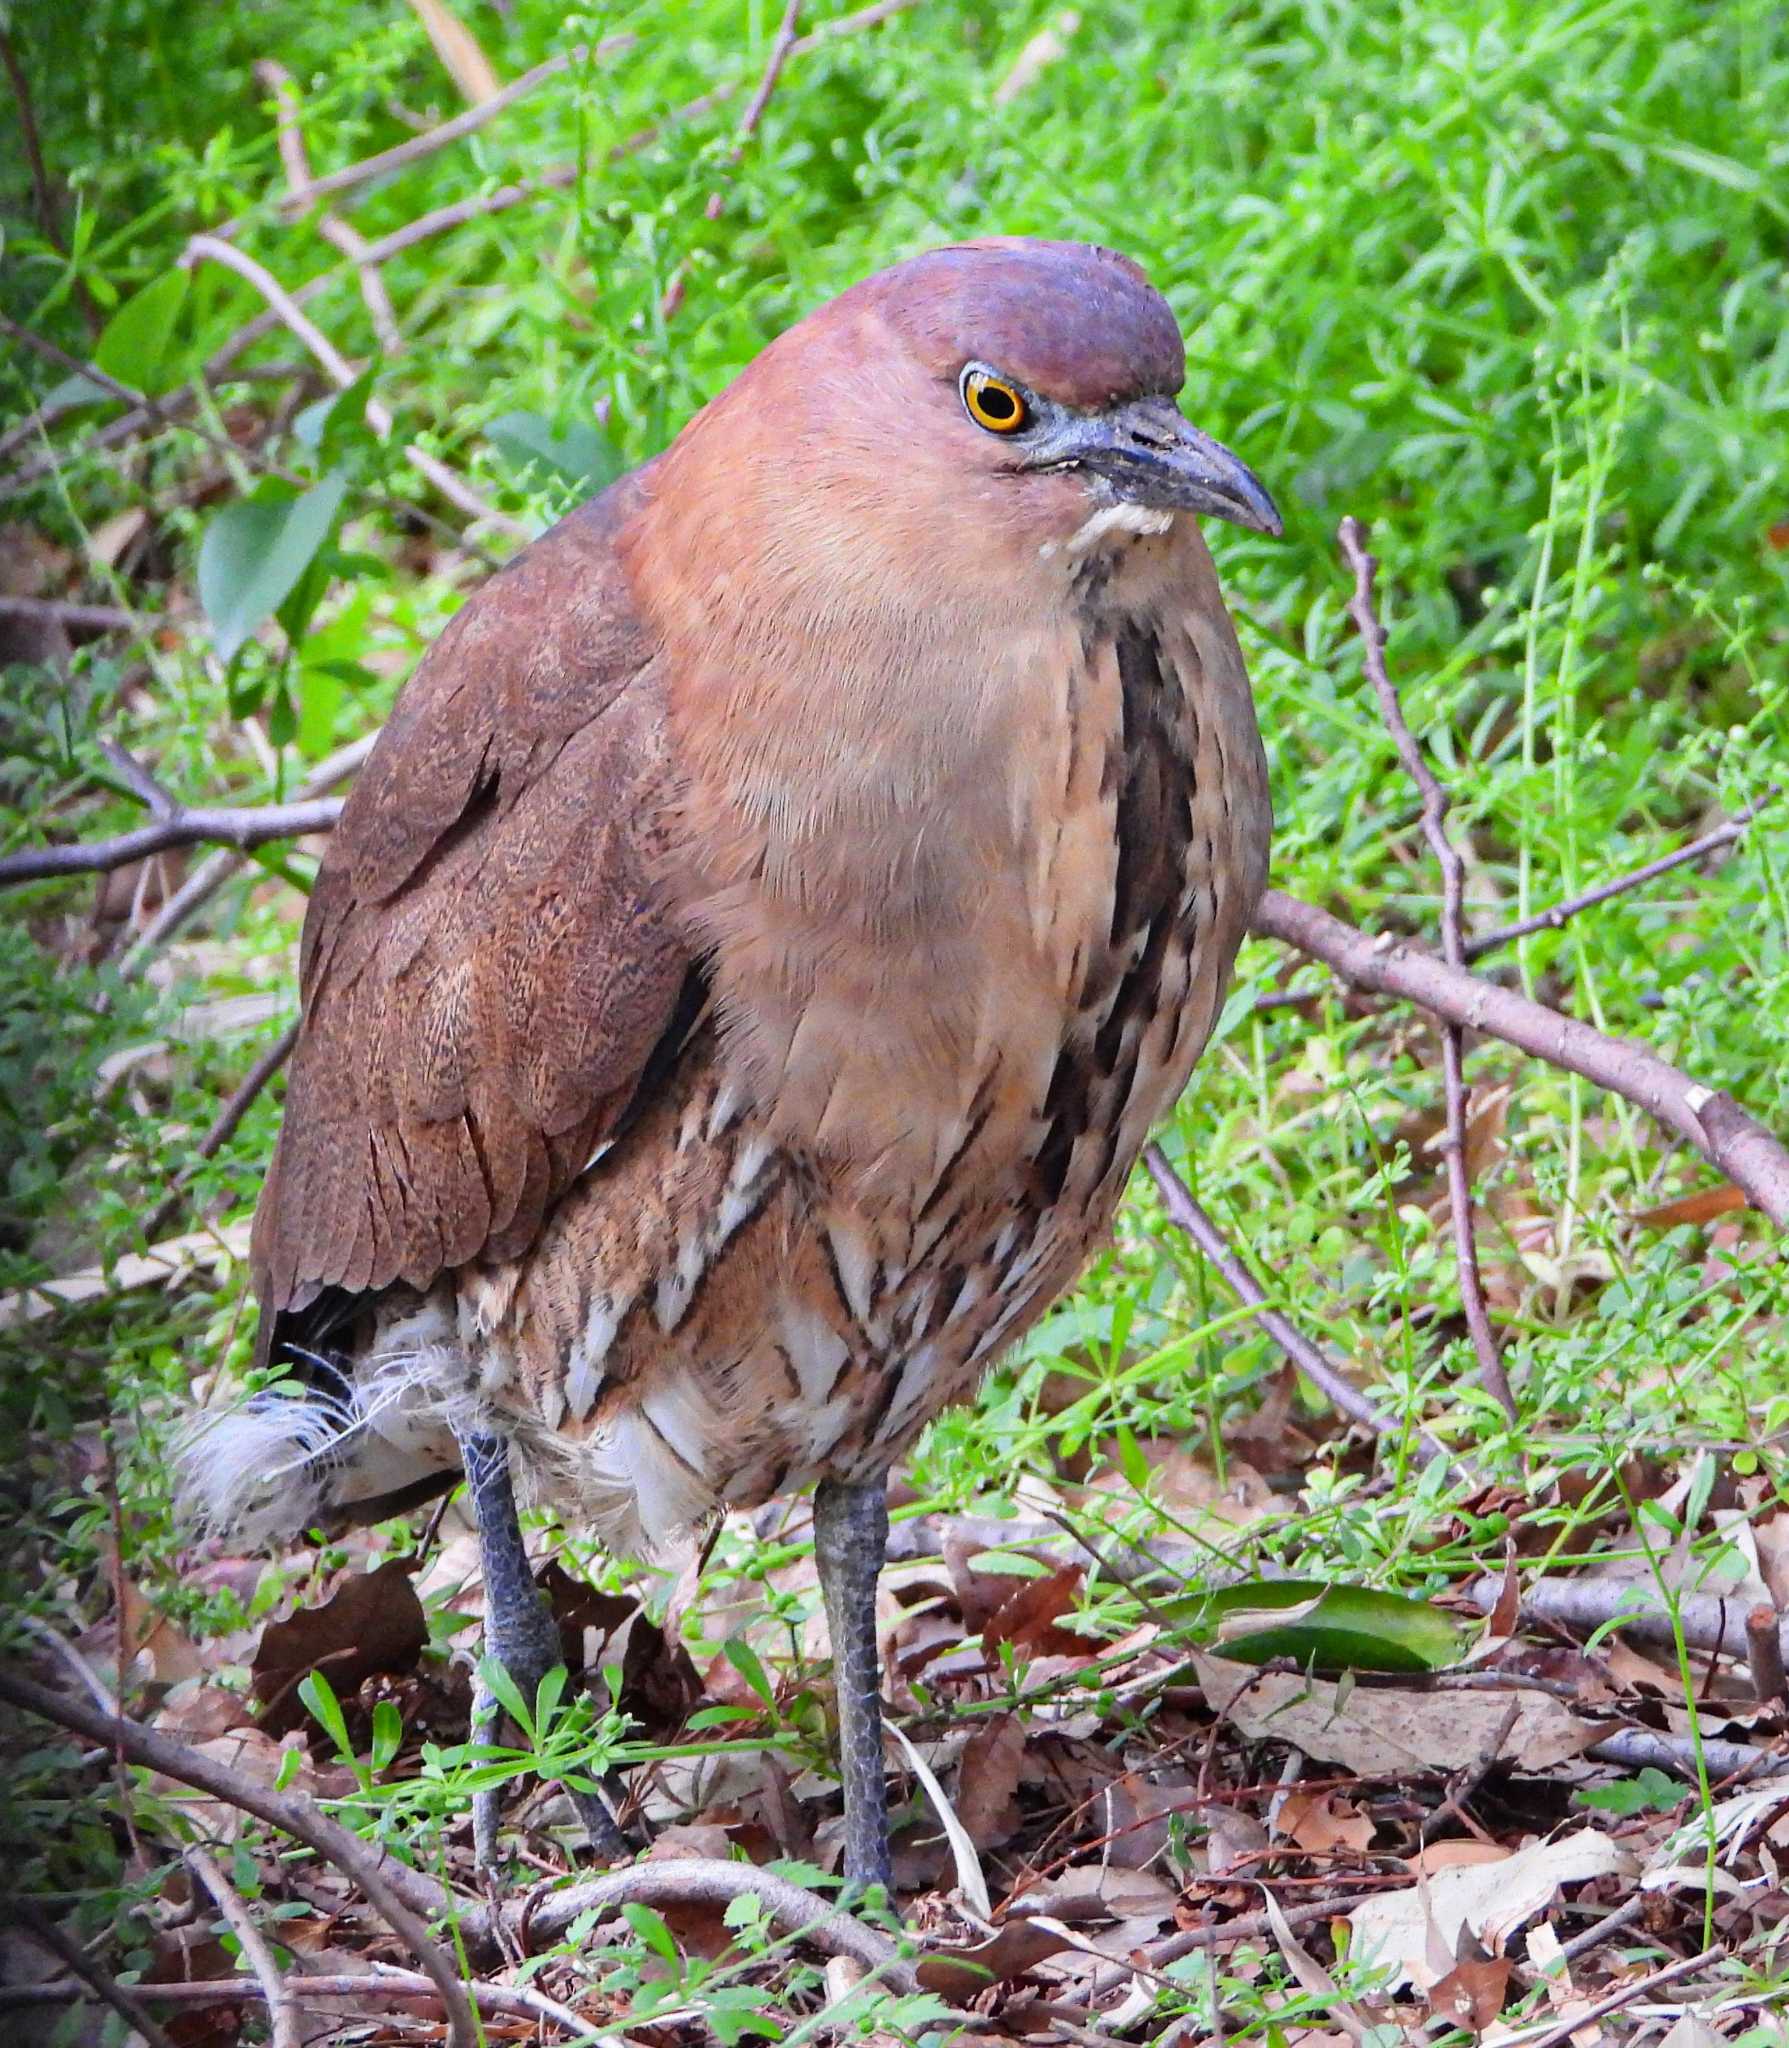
485, 970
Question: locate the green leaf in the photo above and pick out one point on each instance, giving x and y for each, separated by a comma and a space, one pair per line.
651, 1929
1322, 1628
388, 1733
744, 1659
256, 549
583, 452
134, 346
1131, 1461
319, 1696
331, 425
1649, 1791
507, 1694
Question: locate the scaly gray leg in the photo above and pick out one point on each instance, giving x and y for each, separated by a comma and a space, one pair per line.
520, 1634
850, 1541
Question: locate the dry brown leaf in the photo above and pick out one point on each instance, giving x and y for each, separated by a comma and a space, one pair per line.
988, 1780
1488, 1901
1320, 1822
1027, 1617
959, 1973
371, 1622
1701, 1207
1458, 1855
1471, 1994
1387, 1731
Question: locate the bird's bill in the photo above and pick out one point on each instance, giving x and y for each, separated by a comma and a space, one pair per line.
1152, 455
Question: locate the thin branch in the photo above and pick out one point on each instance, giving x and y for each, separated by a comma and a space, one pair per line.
138, 780
167, 412
426, 144
384, 1985
1639, 1749
340, 372
379, 1879
295, 159
1640, 1987
102, 1693
224, 1125
98, 1981
212, 873
282, 2010
83, 618
241, 825
780, 52
1385, 964
1556, 915
1185, 1212
1435, 801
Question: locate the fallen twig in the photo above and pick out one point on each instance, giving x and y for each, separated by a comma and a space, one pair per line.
282, 2011
383, 1986
377, 1877
1582, 2018
1639, 1749
1185, 1212
1764, 1653
99, 1982
1435, 802
1707, 1621
1556, 914
1386, 964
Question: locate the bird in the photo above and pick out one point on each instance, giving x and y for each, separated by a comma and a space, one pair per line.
754, 955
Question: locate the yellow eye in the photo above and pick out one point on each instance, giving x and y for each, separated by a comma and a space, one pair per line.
993, 403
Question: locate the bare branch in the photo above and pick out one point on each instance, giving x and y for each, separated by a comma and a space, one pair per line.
340, 372
138, 780
103, 1986
1361, 609
82, 618
426, 144
1385, 964
1636, 1988
1185, 1212
1556, 915
282, 2010
212, 873
286, 1811
241, 825
289, 131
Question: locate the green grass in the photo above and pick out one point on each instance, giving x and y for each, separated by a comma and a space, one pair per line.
1503, 280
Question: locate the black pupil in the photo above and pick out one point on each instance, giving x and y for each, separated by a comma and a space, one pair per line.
997, 403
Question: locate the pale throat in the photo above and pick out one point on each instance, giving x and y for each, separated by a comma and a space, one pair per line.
1109, 523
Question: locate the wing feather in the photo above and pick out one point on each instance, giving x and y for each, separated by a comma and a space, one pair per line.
488, 963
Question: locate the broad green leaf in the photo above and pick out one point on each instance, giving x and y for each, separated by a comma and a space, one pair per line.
1322, 1628
254, 552
651, 1929
134, 345
583, 452
1131, 1461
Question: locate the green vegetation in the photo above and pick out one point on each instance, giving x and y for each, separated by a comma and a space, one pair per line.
1504, 279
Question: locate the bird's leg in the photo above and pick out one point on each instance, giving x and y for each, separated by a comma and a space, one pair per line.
850, 1541
519, 1633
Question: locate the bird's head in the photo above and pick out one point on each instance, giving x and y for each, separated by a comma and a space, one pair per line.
1005, 403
